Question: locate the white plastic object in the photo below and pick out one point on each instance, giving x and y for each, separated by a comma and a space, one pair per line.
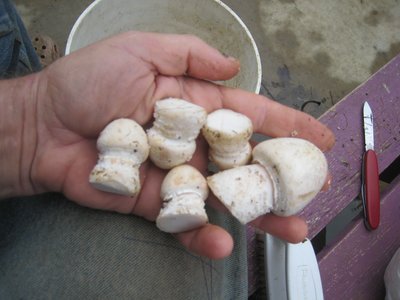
291, 270
275, 267
392, 277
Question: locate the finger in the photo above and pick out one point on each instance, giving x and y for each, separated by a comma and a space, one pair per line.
149, 202
276, 120
176, 55
210, 241
203, 93
291, 229
269, 117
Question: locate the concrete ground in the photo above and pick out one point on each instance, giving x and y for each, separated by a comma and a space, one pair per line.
310, 50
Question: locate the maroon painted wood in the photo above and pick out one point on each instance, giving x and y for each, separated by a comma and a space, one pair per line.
382, 91
353, 268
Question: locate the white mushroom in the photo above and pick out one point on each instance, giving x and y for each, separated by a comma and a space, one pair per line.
286, 175
228, 133
183, 191
176, 126
123, 147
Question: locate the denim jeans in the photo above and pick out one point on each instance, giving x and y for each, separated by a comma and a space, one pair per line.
17, 56
51, 248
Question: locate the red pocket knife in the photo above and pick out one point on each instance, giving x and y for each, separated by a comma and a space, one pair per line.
370, 174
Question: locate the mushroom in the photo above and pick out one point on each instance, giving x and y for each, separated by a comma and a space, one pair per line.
183, 191
228, 133
176, 126
122, 148
285, 176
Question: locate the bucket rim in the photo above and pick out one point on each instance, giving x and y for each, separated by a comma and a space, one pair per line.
222, 4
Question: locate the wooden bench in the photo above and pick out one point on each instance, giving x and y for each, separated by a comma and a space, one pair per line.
352, 266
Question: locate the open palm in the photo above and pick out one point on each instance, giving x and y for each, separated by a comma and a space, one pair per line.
122, 77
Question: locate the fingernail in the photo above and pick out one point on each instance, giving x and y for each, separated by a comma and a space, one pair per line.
327, 184
231, 58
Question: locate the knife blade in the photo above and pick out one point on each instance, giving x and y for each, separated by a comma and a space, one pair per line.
370, 173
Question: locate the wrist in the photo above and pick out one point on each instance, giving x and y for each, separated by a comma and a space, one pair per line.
18, 134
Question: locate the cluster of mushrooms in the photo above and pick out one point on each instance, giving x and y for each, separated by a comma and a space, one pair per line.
280, 175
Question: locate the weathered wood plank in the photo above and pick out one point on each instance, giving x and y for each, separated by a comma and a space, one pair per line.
353, 267
382, 91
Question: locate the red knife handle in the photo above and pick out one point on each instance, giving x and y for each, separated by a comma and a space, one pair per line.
370, 193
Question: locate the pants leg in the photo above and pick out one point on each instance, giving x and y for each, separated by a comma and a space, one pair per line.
17, 56
51, 248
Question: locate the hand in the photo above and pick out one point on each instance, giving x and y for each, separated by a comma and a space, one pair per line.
122, 77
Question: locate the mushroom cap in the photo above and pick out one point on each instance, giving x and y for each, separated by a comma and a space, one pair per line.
226, 128
179, 119
124, 136
298, 169
184, 179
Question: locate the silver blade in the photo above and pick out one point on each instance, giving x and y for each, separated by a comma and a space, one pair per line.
368, 127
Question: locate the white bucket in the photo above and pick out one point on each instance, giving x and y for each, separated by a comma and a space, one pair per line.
211, 20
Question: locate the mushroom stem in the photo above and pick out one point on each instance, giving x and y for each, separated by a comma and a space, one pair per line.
176, 126
286, 175
123, 147
247, 191
115, 174
183, 191
228, 133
